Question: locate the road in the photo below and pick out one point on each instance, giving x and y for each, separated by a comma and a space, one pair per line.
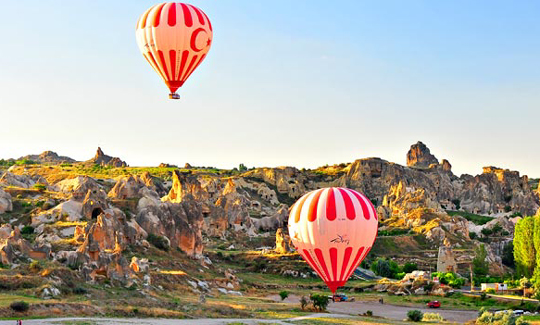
388, 311
149, 321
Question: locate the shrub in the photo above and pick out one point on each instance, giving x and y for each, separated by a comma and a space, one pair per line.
432, 317
19, 306
80, 291
27, 230
409, 267
40, 187
473, 235
35, 266
369, 313
490, 290
284, 294
414, 315
304, 302
320, 302
158, 241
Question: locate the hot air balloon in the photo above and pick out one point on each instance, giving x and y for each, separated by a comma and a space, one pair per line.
174, 38
333, 229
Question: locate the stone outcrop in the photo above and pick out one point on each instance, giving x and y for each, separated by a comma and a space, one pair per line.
128, 187
23, 181
103, 160
48, 157
181, 223
282, 242
446, 262
420, 156
497, 190
78, 187
5, 202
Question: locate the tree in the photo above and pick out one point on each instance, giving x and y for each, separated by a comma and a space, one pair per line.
508, 255
284, 294
480, 264
524, 249
320, 302
409, 267
242, 168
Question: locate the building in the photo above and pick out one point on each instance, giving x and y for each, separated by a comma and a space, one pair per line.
495, 286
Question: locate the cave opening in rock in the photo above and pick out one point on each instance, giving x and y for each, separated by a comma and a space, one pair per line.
96, 212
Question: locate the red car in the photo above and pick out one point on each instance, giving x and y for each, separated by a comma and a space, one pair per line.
434, 304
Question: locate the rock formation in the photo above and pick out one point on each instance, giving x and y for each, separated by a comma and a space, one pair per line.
103, 160
48, 157
446, 261
5, 202
420, 156
282, 242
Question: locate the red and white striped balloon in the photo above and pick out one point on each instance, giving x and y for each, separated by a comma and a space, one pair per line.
333, 229
174, 38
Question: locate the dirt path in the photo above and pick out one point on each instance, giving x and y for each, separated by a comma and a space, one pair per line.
387, 311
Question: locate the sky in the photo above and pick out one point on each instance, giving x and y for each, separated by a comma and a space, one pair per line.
298, 83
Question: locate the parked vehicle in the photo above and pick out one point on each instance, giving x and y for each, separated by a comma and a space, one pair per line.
434, 304
338, 297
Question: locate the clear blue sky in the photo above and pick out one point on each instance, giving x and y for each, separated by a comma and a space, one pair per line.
300, 83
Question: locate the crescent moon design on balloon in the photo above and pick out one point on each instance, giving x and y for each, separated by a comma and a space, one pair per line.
194, 39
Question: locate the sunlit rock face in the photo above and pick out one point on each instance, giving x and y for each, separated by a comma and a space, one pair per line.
5, 202
497, 190
420, 156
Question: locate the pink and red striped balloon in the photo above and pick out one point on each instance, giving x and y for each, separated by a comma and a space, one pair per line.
174, 38
333, 229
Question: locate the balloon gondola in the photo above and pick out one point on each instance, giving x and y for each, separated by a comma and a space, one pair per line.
174, 38
333, 229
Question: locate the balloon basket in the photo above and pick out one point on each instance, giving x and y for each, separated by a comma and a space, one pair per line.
174, 96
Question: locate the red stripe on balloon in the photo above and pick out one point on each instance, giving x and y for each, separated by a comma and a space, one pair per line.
365, 209
183, 61
355, 262
191, 64
300, 205
172, 15
311, 261
196, 65
157, 15
333, 261
331, 205
346, 258
320, 258
199, 14
312, 214
164, 64
187, 15
172, 59
349, 206
208, 20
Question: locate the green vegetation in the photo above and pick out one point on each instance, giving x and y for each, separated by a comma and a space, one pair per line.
450, 279
319, 301
526, 245
480, 263
414, 315
19, 306
158, 241
476, 218
284, 294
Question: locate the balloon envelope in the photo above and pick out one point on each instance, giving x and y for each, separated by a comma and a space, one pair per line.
333, 229
174, 38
